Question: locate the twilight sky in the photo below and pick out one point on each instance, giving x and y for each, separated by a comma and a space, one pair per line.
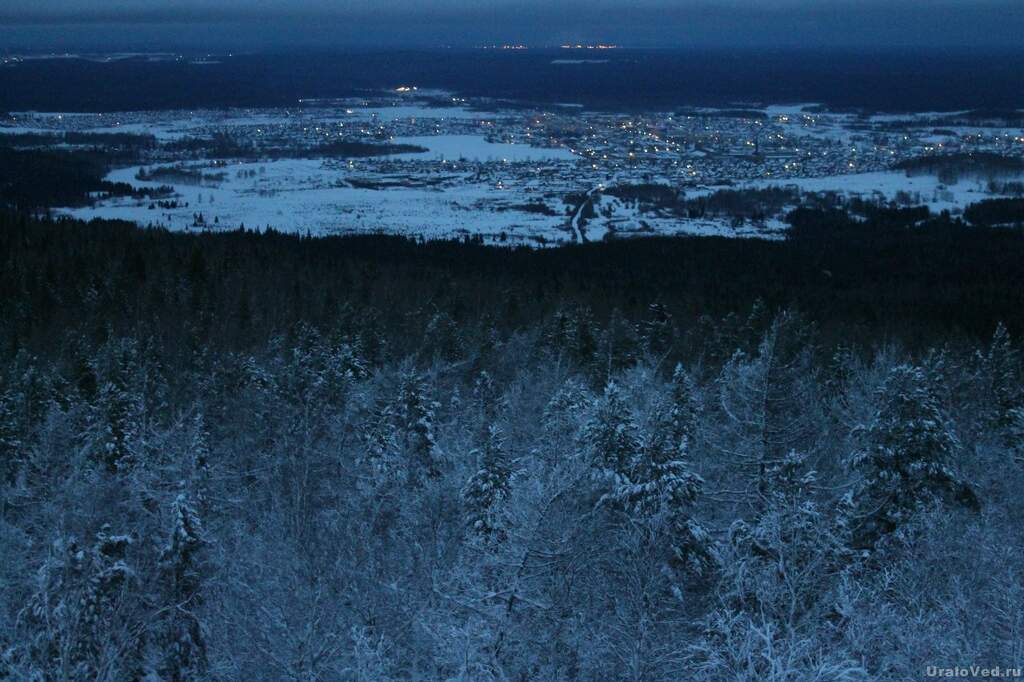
255, 24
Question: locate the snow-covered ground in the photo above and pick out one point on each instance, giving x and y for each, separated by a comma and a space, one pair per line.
300, 195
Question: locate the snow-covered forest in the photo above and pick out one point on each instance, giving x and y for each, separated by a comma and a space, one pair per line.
394, 474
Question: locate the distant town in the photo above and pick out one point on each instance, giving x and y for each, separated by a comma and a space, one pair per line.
433, 164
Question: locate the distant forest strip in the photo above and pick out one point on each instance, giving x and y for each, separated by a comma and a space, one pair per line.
963, 163
892, 277
34, 179
634, 80
996, 212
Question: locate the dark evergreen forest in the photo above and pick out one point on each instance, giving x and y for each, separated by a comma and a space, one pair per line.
246, 456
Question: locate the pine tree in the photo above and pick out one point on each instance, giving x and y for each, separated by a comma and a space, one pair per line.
83, 373
154, 391
572, 331
32, 387
908, 462
442, 338
620, 345
486, 492
111, 576
346, 360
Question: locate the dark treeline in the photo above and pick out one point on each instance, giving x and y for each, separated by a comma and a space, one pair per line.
980, 164
36, 179
861, 280
233, 456
996, 212
111, 142
224, 146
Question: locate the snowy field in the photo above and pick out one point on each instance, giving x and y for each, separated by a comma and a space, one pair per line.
924, 190
309, 195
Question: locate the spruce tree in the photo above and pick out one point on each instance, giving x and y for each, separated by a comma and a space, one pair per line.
75, 614
200, 464
685, 408
657, 332
487, 491
661, 488
52, 611
612, 435
1016, 434
182, 641
11, 456
1001, 365
119, 415
909, 459
417, 418
566, 406
380, 439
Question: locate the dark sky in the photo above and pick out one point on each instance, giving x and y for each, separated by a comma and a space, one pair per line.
258, 24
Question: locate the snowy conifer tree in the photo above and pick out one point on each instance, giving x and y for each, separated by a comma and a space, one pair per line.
417, 418
10, 439
199, 452
566, 406
685, 411
1001, 365
181, 642
380, 439
119, 418
909, 459
487, 396
442, 338
612, 435
486, 492
76, 612
619, 345
657, 332
1016, 431
661, 487
52, 612
573, 331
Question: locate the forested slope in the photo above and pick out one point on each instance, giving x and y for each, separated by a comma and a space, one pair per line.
242, 456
